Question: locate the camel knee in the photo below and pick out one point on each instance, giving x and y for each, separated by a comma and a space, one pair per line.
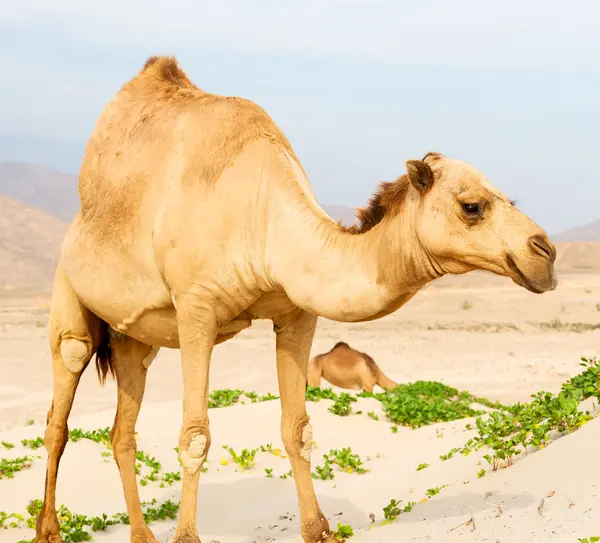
298, 438
194, 444
55, 438
75, 353
122, 444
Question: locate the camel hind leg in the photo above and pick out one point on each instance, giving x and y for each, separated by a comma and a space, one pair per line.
315, 371
131, 360
74, 335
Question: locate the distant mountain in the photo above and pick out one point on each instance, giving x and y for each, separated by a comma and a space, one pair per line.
30, 241
588, 232
56, 155
52, 191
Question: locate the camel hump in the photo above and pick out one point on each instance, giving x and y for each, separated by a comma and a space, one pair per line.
340, 344
167, 69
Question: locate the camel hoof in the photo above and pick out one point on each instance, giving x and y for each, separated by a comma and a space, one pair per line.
186, 538
143, 536
48, 538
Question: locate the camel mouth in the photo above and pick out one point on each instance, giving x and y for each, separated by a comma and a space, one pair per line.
517, 275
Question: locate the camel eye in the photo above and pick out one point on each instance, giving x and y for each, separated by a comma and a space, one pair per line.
472, 210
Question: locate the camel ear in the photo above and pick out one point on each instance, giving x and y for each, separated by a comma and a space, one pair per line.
419, 174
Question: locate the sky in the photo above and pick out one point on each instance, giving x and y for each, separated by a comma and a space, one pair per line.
358, 86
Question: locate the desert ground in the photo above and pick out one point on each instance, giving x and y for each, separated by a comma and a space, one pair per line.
477, 332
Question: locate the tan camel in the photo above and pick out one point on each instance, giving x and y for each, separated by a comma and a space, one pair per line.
346, 367
197, 218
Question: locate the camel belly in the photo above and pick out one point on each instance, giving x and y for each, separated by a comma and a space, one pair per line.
158, 327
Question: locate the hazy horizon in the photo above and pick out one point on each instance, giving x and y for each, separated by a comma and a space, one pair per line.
358, 87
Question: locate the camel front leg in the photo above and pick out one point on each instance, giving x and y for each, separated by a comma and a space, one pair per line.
131, 361
295, 333
197, 334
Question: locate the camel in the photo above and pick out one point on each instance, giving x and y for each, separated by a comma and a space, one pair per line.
346, 367
195, 219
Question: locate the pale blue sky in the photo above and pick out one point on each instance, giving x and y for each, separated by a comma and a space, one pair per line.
359, 86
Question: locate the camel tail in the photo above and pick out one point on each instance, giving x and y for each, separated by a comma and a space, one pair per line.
104, 357
384, 381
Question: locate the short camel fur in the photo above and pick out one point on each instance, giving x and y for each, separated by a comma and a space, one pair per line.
197, 218
346, 367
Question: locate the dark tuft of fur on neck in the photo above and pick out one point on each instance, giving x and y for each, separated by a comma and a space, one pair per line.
388, 199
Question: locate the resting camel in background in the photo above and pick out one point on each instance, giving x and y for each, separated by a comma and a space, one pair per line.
196, 218
346, 367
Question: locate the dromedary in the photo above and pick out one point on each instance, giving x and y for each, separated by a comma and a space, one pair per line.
196, 218
346, 367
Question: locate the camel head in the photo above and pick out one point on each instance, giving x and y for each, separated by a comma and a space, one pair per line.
464, 223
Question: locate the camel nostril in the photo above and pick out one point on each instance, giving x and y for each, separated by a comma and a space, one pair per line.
542, 246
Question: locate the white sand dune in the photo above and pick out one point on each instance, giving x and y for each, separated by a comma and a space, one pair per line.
244, 507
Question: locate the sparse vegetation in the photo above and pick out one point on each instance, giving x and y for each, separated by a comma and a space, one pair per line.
422, 466
10, 466
520, 427
431, 492
466, 305
424, 402
343, 531
342, 405
73, 527
344, 458
393, 510
372, 415
34, 444
244, 459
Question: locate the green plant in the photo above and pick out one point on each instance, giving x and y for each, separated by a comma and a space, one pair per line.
8, 467
593, 539
269, 473
34, 444
73, 527
466, 305
481, 473
422, 466
7, 445
425, 402
393, 509
373, 415
6, 522
520, 426
344, 458
343, 531
315, 394
170, 478
341, 406
150, 462
286, 475
223, 398
102, 436
449, 454
434, 491
245, 459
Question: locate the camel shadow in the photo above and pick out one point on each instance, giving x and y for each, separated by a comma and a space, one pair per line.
465, 504
260, 507
263, 509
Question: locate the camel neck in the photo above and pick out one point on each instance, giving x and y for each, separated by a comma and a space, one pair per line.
343, 276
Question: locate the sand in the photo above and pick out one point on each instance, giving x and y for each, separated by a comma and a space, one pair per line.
477, 333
